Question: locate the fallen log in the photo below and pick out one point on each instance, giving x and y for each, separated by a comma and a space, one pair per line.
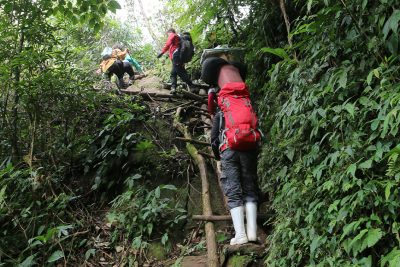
198, 85
193, 141
181, 105
146, 95
203, 127
190, 95
182, 94
212, 256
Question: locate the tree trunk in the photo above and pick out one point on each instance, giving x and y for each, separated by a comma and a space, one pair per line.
17, 76
287, 21
148, 24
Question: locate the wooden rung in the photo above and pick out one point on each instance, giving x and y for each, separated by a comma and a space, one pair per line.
261, 216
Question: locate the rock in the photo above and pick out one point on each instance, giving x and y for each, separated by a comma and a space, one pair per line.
118, 249
156, 251
239, 261
202, 92
194, 261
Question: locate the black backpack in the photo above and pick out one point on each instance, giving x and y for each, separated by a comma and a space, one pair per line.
186, 47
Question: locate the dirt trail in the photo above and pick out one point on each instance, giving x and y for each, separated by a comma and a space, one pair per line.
149, 84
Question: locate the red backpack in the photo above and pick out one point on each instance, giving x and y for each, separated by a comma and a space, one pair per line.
240, 131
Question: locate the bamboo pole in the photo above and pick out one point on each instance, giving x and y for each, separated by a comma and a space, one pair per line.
217, 164
212, 256
261, 217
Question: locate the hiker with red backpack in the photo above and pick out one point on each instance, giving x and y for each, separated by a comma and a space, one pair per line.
178, 58
235, 141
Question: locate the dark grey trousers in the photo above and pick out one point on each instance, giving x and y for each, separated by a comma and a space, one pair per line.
239, 176
178, 69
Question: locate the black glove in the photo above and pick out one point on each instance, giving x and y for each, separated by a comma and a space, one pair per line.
159, 55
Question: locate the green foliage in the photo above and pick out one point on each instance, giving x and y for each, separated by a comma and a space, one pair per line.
113, 144
330, 163
56, 132
142, 213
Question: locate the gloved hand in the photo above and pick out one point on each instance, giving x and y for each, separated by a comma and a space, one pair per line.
159, 55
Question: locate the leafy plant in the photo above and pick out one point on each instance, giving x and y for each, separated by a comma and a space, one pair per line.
141, 213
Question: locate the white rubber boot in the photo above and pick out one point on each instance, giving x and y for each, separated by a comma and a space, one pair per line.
251, 219
238, 223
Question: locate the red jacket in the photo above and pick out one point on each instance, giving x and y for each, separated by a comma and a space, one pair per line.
172, 44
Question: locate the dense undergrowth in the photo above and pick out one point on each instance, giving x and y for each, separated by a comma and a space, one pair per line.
72, 158
330, 164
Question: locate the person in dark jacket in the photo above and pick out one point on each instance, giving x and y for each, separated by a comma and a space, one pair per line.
178, 68
239, 168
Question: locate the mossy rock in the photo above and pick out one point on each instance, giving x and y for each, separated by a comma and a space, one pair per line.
156, 251
239, 261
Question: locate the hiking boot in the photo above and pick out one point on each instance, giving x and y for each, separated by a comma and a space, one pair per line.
131, 80
121, 84
238, 223
251, 219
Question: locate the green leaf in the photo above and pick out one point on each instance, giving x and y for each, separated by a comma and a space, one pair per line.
314, 244
350, 109
391, 24
366, 164
365, 101
376, 73
89, 253
354, 244
387, 190
113, 6
391, 257
290, 154
56, 256
352, 170
3, 197
276, 51
374, 235
393, 43
364, 4
157, 192
149, 228
343, 79
28, 261
369, 78
8, 7
309, 5
169, 187
164, 239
